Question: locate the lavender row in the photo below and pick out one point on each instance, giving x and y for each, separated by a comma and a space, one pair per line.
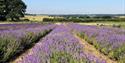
14, 41
20, 26
60, 46
110, 41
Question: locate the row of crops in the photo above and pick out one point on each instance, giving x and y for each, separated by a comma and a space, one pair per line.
15, 38
58, 43
60, 46
109, 41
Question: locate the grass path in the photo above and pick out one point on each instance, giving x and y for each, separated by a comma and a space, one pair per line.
88, 48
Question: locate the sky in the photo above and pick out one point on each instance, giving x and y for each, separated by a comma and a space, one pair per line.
75, 6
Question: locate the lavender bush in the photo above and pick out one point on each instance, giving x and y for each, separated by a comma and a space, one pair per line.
60, 46
110, 41
13, 40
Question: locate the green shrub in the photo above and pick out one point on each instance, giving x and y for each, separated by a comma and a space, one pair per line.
63, 57
10, 45
117, 53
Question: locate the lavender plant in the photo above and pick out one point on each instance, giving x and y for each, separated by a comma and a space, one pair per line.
16, 40
110, 41
60, 46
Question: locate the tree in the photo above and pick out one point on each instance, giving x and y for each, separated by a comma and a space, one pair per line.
14, 9
106, 17
2, 9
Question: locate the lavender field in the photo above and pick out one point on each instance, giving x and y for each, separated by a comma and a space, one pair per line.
61, 43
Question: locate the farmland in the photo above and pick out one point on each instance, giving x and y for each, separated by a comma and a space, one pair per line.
61, 43
36, 18
62, 31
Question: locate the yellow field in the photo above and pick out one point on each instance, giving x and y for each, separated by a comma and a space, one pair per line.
121, 16
36, 18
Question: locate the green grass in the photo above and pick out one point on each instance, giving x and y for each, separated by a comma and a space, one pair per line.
63, 57
105, 23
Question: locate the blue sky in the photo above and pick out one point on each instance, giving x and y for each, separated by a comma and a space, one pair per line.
75, 6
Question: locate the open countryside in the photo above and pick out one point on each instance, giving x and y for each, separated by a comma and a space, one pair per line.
30, 35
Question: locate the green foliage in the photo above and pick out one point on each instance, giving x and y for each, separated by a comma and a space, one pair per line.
105, 50
83, 20
2, 9
117, 53
63, 57
10, 46
12, 9
122, 60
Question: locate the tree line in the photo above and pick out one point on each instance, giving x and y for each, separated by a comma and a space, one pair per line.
12, 9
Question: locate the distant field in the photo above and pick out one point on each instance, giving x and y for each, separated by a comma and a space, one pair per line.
36, 18
121, 16
90, 23
105, 23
